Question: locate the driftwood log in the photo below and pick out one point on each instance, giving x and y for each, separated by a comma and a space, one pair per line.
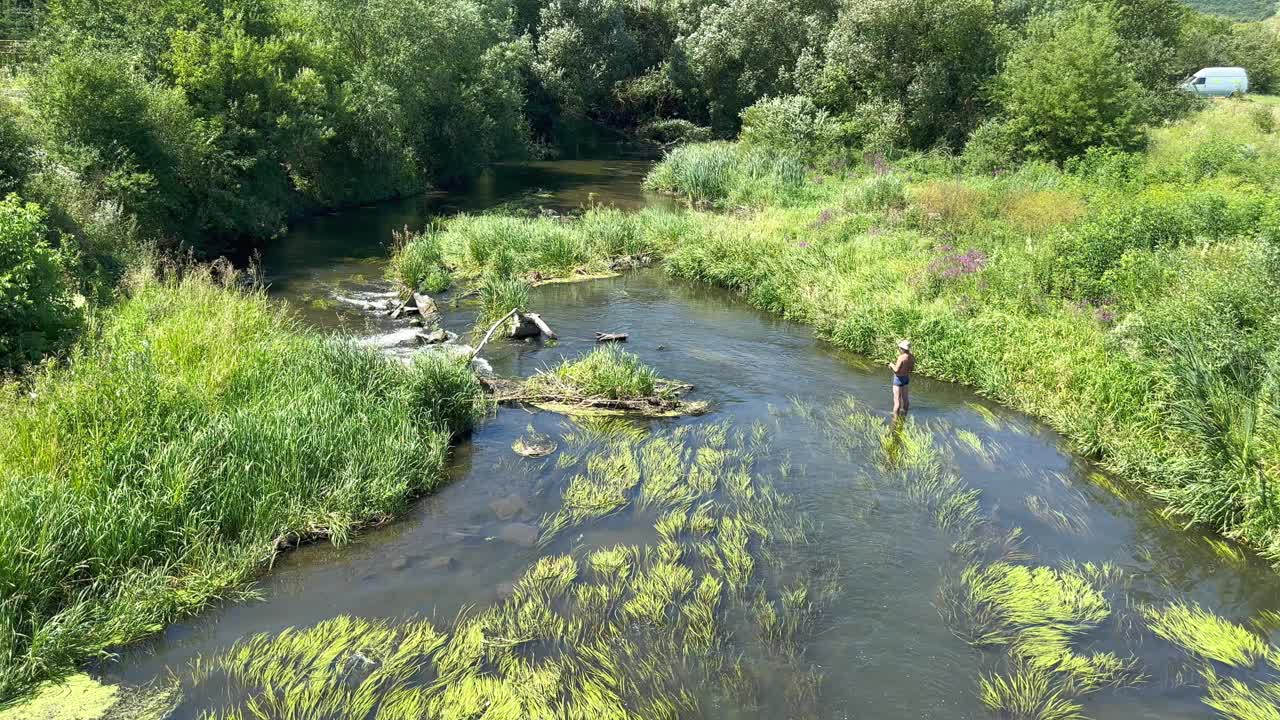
611, 337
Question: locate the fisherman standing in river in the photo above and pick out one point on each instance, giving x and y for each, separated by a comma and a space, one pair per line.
902, 368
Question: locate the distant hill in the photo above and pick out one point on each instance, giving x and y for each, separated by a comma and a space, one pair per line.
1236, 9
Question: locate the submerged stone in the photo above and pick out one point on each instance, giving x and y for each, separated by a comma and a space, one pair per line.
508, 507
444, 562
522, 534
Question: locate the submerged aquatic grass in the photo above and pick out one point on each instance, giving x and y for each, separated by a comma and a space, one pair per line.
1202, 633
1028, 693
617, 631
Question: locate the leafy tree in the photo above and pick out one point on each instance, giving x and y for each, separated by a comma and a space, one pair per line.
585, 49
37, 315
1066, 88
929, 57
743, 50
1256, 47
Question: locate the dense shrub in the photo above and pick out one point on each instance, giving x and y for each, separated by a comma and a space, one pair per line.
1050, 91
1154, 220
37, 314
992, 148
792, 125
673, 131
15, 150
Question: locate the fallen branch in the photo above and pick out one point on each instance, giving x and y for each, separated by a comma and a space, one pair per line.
610, 337
492, 329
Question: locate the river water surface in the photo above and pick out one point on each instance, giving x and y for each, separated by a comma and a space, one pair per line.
880, 561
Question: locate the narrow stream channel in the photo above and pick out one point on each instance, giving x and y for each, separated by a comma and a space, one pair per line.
881, 556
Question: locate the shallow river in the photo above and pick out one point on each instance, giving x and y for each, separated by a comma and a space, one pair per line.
862, 518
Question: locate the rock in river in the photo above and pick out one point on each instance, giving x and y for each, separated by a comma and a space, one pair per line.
508, 507
522, 534
444, 562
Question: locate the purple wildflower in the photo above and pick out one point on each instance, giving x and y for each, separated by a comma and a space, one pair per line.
802, 244
878, 162
824, 217
957, 265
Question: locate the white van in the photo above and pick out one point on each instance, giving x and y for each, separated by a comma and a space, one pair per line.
1217, 82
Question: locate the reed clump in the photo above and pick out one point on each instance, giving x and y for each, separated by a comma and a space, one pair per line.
195, 432
607, 372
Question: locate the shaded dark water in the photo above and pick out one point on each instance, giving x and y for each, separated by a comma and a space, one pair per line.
881, 645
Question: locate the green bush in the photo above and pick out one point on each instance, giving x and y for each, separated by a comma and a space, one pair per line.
877, 126
37, 314
674, 131
15, 150
991, 148
1219, 155
1263, 119
1050, 92
195, 433
792, 125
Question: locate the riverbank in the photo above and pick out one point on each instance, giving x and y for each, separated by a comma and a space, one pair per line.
195, 432
1126, 300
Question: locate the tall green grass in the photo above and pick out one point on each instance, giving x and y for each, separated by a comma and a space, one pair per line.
726, 174
475, 246
606, 372
195, 432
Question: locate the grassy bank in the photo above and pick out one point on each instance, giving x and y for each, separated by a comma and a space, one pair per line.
1128, 299
194, 432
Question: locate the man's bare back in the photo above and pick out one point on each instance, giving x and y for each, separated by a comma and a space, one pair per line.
905, 364
902, 368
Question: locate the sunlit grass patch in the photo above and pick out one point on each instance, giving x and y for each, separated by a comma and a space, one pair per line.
1227, 551
1028, 693
1237, 700
605, 372
986, 414
1202, 633
498, 297
1038, 211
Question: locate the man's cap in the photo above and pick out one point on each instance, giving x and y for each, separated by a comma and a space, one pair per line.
905, 345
